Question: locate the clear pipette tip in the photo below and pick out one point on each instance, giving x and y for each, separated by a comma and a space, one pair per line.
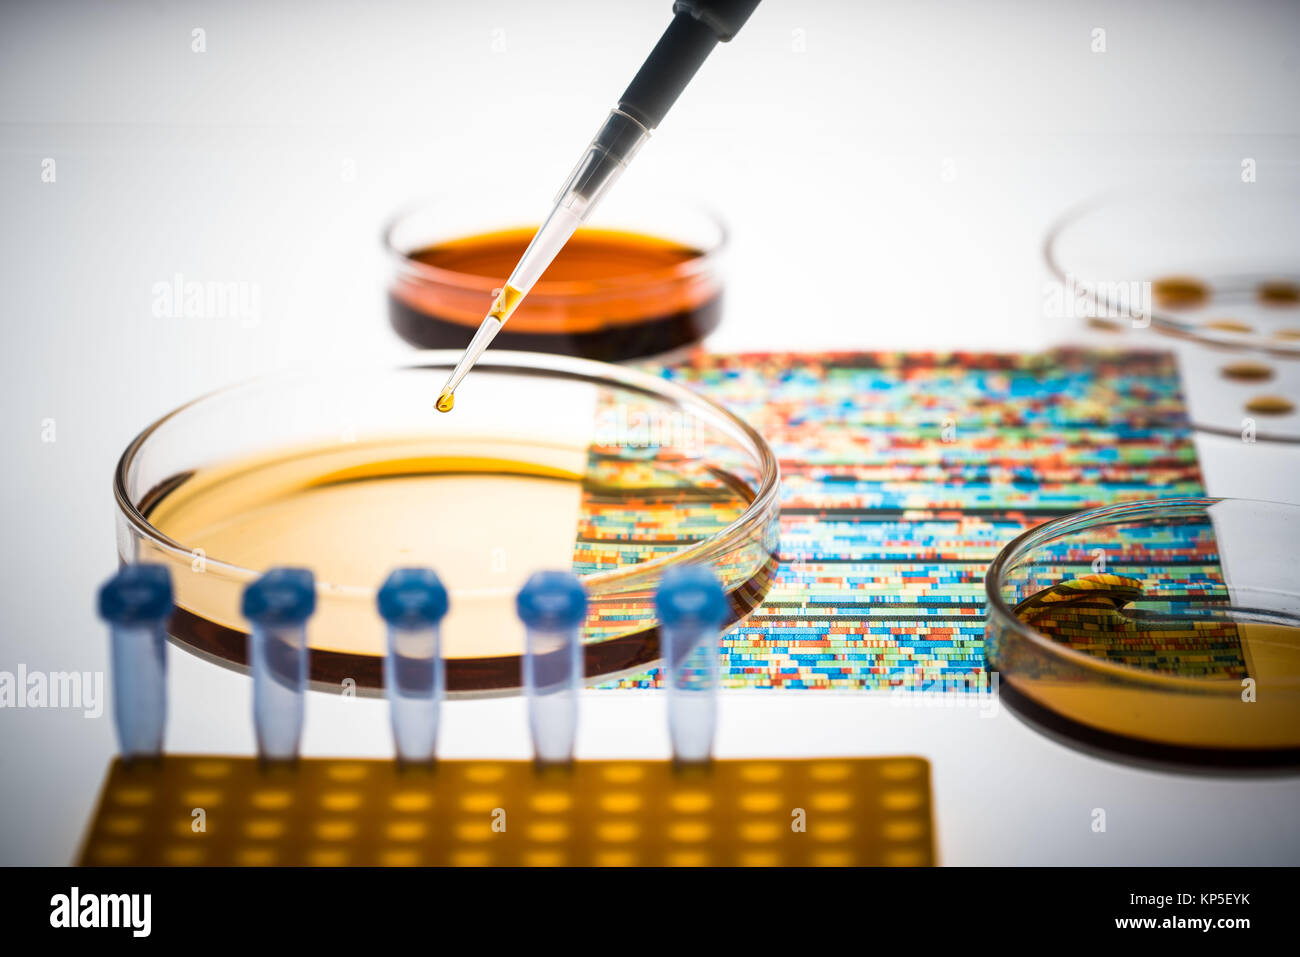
136, 603
487, 331
692, 608
413, 602
278, 605
553, 608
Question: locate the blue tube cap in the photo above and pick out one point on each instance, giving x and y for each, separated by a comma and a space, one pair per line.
413, 598
691, 596
137, 595
552, 601
283, 596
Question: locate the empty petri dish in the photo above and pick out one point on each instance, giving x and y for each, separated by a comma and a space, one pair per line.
1165, 629
546, 462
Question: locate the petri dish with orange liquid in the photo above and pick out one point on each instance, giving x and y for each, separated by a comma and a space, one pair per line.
1165, 630
641, 279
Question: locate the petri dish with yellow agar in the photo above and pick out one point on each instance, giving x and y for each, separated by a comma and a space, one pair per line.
545, 462
1167, 629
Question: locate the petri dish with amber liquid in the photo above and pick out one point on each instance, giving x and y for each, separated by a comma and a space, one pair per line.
641, 279
1166, 630
547, 462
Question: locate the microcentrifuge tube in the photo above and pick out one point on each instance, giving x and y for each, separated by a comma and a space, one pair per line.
692, 607
278, 604
136, 603
553, 608
413, 602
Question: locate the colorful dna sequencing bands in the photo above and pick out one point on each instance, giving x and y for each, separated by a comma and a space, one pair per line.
903, 476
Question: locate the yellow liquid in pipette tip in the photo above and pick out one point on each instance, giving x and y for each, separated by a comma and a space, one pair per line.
506, 302
503, 307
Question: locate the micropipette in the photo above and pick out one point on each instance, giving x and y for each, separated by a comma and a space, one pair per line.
136, 603
553, 608
696, 28
413, 602
278, 604
692, 607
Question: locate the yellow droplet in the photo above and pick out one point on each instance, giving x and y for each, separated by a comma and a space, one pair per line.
905, 858
615, 859
688, 859
691, 802
1247, 370
548, 832
688, 832
411, 801
552, 802
123, 826
760, 832
471, 859
480, 802
347, 772
832, 859
617, 832
133, 797
183, 856
543, 859
623, 773
264, 829
900, 770
829, 832
113, 853
902, 830
330, 858
272, 800
620, 802
1179, 292
760, 772
335, 830
1271, 405
406, 830
210, 769
1229, 325
759, 802
1279, 293
255, 857
832, 800
446, 402
400, 858
474, 832
830, 771
760, 859
485, 773
341, 801
901, 800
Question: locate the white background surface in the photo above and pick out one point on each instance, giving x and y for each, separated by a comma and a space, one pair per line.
822, 134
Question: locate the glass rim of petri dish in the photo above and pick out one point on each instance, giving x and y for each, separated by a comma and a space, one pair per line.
759, 510
708, 254
1001, 615
1199, 191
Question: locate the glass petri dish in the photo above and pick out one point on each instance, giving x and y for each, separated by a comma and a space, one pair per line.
1215, 268
642, 278
546, 462
1167, 629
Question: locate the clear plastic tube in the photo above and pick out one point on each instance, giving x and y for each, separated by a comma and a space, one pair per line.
603, 162
278, 605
